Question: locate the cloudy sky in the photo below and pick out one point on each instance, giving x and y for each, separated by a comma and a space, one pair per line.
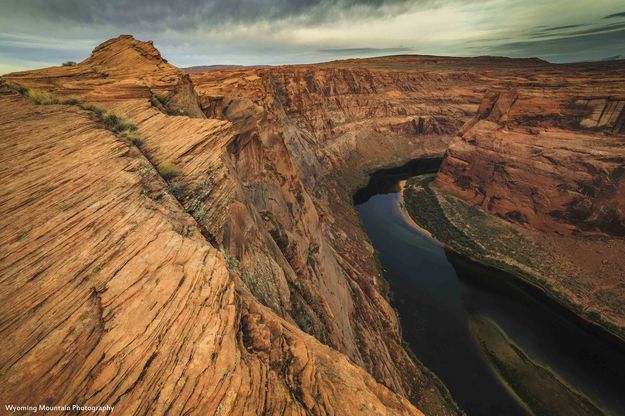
38, 33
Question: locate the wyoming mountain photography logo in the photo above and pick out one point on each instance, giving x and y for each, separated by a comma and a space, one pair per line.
11, 408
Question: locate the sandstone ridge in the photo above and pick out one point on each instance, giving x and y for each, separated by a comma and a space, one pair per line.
178, 296
244, 283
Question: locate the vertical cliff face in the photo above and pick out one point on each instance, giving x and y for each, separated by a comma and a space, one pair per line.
306, 138
553, 163
141, 310
313, 131
193, 292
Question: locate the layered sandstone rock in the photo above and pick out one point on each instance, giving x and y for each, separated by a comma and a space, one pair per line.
111, 294
554, 162
121, 69
547, 154
245, 283
312, 133
167, 322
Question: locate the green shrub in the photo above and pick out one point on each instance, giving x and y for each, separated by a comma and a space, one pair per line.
93, 108
168, 170
177, 189
46, 97
16, 87
71, 100
159, 100
231, 262
69, 63
42, 97
133, 136
117, 123
200, 214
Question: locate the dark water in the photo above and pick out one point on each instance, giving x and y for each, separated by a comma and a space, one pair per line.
436, 292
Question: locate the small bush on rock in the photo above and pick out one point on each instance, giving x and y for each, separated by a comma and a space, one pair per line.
134, 137
70, 100
42, 97
16, 87
168, 170
117, 123
93, 108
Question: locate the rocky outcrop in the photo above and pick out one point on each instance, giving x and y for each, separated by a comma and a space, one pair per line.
604, 113
234, 343
121, 69
241, 281
554, 166
549, 159
111, 294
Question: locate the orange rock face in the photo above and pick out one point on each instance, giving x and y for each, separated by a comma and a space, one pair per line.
112, 295
244, 283
550, 158
547, 153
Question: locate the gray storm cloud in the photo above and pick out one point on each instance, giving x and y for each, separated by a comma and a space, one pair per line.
613, 15
36, 33
187, 14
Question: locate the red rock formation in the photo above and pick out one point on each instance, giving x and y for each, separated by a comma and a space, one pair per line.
195, 330
122, 69
548, 154
198, 294
305, 138
553, 162
111, 293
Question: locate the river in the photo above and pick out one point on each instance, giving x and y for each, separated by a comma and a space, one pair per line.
436, 292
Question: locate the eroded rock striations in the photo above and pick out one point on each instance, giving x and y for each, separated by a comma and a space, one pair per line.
111, 296
114, 288
554, 162
240, 280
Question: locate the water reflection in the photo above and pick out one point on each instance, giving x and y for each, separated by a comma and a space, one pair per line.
437, 292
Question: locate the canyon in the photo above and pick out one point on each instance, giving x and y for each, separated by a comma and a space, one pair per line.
213, 263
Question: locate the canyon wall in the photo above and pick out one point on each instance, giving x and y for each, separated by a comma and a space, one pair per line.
306, 139
549, 157
191, 292
547, 154
111, 295
239, 280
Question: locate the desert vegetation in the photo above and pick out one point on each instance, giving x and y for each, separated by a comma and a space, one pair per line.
43, 97
168, 170
133, 136
111, 120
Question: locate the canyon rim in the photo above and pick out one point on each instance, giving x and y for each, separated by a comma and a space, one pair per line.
184, 241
